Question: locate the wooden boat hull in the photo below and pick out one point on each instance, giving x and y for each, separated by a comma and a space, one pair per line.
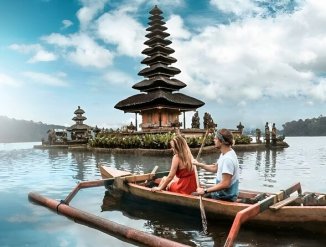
312, 218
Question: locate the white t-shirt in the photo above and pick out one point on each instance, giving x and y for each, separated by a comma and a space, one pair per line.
228, 163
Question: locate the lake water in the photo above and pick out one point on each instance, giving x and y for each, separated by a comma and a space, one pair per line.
54, 173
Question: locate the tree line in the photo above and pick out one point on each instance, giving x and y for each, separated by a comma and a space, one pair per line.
307, 127
12, 130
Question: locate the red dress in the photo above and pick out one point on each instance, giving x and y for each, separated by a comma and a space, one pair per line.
186, 183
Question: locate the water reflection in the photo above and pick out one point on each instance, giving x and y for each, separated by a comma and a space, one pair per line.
184, 228
78, 164
136, 164
258, 169
55, 154
258, 159
184, 225
55, 172
270, 167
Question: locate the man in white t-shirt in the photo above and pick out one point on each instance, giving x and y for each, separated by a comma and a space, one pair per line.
226, 169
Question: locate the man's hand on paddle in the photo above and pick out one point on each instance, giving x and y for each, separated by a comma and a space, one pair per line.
200, 191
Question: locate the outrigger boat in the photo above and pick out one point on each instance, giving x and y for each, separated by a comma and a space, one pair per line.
287, 208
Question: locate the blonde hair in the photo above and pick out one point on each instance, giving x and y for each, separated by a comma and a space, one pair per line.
182, 149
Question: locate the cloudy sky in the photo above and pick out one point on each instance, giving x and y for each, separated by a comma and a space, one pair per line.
253, 61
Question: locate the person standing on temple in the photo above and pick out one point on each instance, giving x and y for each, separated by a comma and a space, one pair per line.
273, 135
226, 169
258, 133
267, 134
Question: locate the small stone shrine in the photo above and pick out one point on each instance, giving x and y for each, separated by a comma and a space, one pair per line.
79, 131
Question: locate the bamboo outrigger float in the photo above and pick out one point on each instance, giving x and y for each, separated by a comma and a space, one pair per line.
93, 221
287, 208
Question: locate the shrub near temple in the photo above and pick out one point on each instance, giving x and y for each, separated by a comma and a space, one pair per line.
116, 140
146, 141
243, 139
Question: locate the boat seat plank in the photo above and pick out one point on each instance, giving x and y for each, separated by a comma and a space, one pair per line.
113, 173
247, 194
284, 202
253, 198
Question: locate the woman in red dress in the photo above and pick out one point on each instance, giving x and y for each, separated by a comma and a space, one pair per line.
182, 177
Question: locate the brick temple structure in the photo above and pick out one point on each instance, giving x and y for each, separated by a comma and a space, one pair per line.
158, 103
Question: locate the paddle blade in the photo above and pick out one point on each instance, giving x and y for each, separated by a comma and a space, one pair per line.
203, 216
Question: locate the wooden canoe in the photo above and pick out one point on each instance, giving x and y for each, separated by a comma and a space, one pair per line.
291, 207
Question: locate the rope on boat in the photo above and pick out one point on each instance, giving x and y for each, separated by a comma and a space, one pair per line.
61, 202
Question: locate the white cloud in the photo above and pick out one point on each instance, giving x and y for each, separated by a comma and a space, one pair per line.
25, 48
123, 31
131, 7
39, 53
81, 49
166, 4
59, 40
6, 80
46, 79
176, 28
319, 90
247, 8
237, 7
88, 53
257, 58
116, 77
42, 56
89, 11
66, 24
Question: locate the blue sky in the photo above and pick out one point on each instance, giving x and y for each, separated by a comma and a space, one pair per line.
253, 61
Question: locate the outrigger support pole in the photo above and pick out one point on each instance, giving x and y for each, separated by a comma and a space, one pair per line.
102, 224
257, 208
83, 185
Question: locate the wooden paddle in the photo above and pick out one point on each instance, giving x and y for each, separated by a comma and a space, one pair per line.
202, 144
201, 205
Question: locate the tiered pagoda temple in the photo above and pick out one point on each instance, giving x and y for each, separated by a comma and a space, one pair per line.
157, 103
79, 131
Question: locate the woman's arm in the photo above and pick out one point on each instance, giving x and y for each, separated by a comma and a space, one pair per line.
173, 171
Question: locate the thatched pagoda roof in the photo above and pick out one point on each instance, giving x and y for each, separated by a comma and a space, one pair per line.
79, 111
159, 58
157, 32
79, 118
157, 49
159, 84
159, 98
159, 69
79, 127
